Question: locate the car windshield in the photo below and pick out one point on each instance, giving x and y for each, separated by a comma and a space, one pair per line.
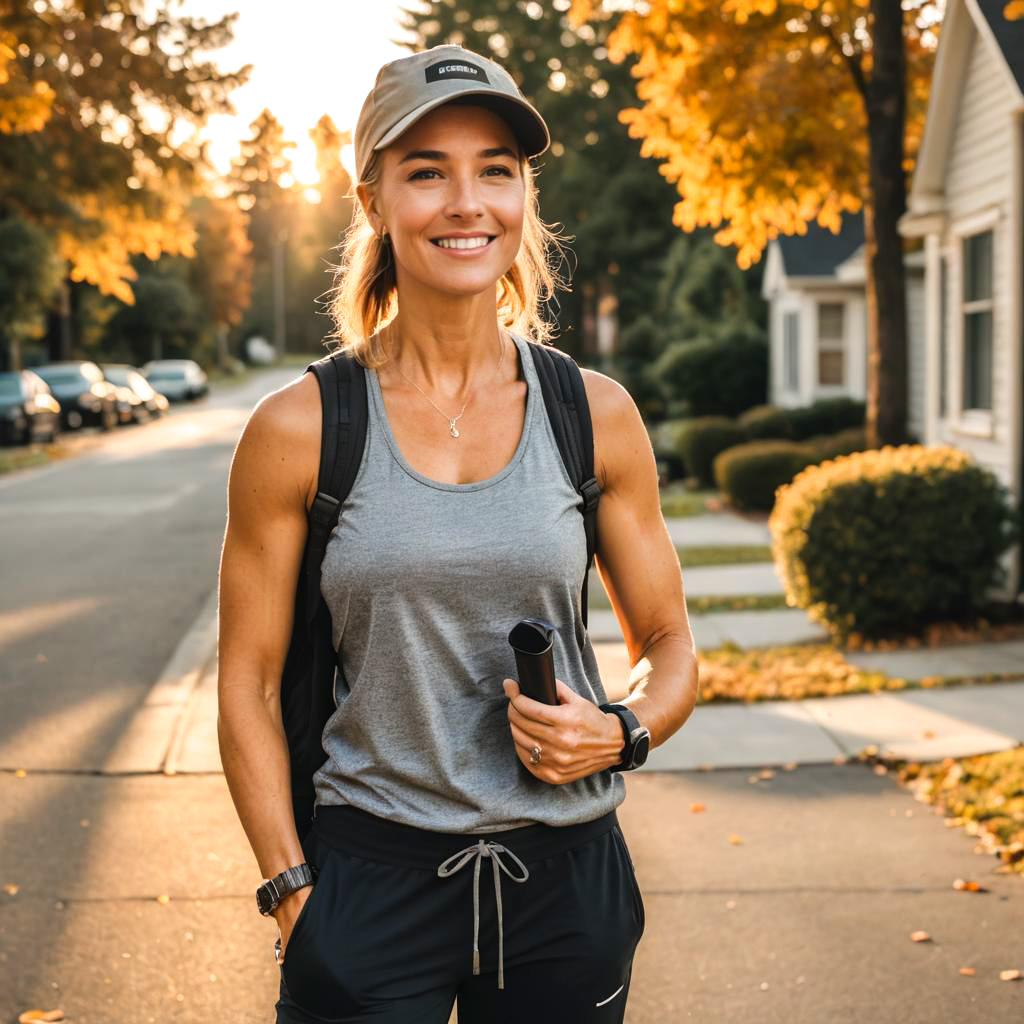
167, 373
59, 374
10, 385
116, 374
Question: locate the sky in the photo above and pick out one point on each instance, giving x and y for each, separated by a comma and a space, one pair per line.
309, 57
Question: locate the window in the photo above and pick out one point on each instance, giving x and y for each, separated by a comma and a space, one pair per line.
791, 351
830, 343
977, 320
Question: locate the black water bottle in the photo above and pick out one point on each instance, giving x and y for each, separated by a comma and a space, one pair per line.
532, 642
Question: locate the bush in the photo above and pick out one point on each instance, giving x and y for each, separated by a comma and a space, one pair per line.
888, 541
702, 439
715, 377
749, 473
826, 416
767, 421
845, 442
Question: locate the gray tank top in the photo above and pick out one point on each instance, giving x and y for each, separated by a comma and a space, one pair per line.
424, 580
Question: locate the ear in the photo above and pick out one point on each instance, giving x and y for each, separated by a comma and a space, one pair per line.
368, 201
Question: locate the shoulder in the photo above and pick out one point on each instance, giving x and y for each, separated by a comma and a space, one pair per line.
621, 442
281, 439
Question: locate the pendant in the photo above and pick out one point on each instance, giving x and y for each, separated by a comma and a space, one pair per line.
452, 429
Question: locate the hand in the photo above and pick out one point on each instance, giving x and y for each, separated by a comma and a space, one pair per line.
287, 911
576, 737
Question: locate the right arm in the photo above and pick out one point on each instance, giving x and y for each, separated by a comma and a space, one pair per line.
271, 484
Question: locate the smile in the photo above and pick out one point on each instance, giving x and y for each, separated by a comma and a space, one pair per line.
463, 245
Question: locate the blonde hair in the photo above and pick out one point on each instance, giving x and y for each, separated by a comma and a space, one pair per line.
364, 296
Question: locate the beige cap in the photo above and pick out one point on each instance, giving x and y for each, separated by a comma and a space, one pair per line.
409, 87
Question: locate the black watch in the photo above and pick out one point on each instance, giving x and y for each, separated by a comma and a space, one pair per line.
273, 890
638, 738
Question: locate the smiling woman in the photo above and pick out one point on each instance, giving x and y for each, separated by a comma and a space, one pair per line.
457, 524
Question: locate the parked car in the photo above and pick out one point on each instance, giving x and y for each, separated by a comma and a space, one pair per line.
86, 397
28, 411
145, 401
181, 380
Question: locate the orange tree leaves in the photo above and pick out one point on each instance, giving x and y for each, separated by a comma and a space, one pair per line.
756, 108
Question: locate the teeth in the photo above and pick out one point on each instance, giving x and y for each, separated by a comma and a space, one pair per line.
461, 243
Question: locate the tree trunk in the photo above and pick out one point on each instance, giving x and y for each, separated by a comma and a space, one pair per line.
886, 286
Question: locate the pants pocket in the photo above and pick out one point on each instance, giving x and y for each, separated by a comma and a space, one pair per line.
638, 900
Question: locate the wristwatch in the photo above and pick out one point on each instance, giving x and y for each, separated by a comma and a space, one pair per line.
638, 738
273, 890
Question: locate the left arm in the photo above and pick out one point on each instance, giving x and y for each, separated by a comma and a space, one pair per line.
638, 565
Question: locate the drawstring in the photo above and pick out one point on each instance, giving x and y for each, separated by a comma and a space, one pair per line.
492, 850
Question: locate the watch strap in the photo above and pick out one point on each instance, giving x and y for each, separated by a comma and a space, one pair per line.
273, 890
629, 723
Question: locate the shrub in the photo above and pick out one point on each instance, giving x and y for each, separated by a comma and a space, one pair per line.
749, 473
767, 421
826, 416
888, 541
715, 377
845, 442
702, 439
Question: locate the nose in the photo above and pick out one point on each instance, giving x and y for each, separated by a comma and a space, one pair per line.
462, 196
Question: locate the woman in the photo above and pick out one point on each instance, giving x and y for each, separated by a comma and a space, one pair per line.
461, 521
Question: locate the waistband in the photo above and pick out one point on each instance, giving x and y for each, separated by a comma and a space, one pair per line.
372, 837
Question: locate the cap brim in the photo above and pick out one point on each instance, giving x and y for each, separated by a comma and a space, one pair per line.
528, 124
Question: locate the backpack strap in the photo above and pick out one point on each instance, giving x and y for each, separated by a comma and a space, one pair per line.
343, 436
565, 398
307, 679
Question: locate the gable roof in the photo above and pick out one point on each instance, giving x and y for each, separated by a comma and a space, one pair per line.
1008, 36
819, 252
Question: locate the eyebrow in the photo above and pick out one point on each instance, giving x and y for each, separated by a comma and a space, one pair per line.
437, 154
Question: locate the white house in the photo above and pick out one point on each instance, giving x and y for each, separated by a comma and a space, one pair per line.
815, 286
966, 203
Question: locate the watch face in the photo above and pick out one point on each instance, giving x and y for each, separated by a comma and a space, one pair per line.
641, 747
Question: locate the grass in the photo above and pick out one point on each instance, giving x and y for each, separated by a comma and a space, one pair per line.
724, 554
678, 501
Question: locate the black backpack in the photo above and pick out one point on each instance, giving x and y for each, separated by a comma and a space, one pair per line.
307, 680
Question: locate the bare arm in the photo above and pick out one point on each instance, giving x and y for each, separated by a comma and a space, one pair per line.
638, 565
271, 482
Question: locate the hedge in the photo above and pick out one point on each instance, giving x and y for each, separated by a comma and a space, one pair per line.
702, 439
749, 473
885, 542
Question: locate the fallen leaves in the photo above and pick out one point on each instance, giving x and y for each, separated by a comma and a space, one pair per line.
920, 936
29, 1016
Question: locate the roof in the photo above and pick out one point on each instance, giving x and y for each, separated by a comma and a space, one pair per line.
1009, 36
819, 252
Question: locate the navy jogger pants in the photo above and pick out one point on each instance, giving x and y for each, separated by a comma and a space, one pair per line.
535, 924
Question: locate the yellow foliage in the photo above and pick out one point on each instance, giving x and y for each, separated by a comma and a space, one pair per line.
104, 258
24, 106
754, 111
1014, 10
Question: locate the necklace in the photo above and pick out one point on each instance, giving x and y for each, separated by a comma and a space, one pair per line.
452, 429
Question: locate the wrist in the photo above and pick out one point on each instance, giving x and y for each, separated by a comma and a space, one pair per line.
616, 738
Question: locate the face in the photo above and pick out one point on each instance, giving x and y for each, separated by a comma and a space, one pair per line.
454, 172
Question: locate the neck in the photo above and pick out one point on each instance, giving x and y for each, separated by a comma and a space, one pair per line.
446, 363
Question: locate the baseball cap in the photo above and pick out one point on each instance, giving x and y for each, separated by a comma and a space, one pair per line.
409, 87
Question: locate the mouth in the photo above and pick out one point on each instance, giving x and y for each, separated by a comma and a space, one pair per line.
464, 250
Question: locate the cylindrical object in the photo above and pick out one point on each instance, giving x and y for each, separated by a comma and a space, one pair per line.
532, 641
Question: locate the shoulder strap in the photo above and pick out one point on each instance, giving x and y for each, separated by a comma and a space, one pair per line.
565, 399
307, 694
343, 435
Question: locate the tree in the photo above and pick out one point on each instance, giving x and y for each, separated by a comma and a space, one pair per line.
91, 98
222, 269
768, 113
28, 276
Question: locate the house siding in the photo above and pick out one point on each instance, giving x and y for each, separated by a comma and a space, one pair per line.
980, 178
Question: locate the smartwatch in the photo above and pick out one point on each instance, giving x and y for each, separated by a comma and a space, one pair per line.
273, 890
638, 738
